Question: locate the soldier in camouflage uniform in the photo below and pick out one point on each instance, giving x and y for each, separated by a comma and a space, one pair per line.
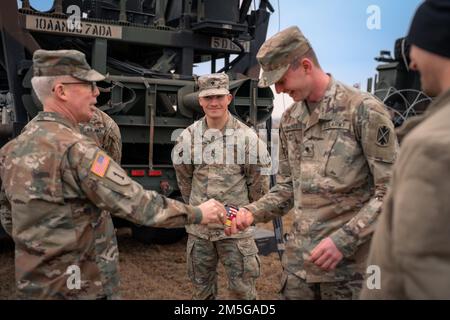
106, 133
56, 182
218, 151
337, 147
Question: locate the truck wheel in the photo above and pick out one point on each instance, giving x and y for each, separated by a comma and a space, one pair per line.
151, 235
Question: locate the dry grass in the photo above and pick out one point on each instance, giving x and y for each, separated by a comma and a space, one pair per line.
157, 271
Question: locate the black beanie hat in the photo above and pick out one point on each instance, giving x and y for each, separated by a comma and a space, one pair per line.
430, 28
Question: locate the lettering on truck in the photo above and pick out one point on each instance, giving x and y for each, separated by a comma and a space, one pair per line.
89, 29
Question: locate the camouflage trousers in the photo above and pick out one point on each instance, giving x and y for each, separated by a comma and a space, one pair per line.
239, 258
295, 288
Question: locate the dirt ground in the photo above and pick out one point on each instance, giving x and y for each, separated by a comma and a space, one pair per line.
156, 271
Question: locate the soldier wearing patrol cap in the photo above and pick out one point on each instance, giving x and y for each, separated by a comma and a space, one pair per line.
337, 147
56, 182
105, 132
218, 164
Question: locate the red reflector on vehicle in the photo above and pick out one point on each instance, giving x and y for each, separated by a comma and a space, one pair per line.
154, 173
137, 173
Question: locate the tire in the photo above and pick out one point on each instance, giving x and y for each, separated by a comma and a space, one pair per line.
152, 235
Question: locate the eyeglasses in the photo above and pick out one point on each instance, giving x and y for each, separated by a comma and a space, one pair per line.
218, 97
93, 84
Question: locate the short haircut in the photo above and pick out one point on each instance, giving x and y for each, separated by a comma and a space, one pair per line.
43, 86
310, 54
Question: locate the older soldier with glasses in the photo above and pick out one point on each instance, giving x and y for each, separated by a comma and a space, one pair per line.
57, 184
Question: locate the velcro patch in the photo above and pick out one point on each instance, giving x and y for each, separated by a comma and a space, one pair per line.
383, 136
308, 150
336, 125
380, 142
293, 127
100, 164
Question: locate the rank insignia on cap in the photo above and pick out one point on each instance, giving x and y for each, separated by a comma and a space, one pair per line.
101, 164
383, 136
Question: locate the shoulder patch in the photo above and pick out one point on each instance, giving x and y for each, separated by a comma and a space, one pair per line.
378, 138
116, 174
100, 164
383, 136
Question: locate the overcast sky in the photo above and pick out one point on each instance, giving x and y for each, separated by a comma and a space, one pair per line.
338, 31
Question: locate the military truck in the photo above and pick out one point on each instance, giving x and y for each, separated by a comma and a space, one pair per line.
398, 86
148, 49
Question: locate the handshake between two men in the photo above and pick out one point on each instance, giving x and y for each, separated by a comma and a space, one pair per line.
325, 255
235, 219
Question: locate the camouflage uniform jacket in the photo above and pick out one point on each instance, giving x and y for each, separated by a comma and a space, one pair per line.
236, 182
411, 242
334, 168
106, 133
56, 184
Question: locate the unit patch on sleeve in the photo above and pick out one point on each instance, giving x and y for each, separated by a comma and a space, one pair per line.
383, 136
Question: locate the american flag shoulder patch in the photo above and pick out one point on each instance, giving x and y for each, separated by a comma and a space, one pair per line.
100, 164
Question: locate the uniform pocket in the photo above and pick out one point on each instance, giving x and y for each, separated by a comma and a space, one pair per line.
40, 177
344, 154
251, 262
294, 140
231, 169
190, 258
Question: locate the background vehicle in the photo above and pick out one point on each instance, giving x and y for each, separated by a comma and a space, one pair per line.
149, 49
397, 85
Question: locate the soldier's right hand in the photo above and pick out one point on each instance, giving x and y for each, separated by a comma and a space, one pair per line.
244, 219
213, 212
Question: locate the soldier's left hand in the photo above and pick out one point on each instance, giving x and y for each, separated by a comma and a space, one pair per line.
326, 255
243, 220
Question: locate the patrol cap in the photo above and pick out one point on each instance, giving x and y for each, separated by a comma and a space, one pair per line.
276, 54
213, 84
47, 63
